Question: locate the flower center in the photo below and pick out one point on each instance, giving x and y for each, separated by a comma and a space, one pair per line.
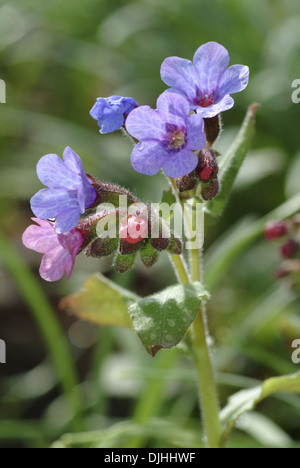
205, 101
176, 137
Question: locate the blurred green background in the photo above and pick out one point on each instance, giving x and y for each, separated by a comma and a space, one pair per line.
56, 57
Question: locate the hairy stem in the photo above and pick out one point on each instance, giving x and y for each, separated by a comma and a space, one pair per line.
200, 344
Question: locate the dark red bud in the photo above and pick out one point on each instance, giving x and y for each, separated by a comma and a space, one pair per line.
186, 183
289, 249
212, 127
207, 168
160, 244
102, 247
275, 229
129, 248
210, 190
175, 246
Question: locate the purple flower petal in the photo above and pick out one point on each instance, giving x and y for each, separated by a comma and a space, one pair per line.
211, 111
148, 157
207, 82
53, 173
71, 241
112, 112
144, 123
70, 191
180, 74
234, 79
167, 136
47, 203
210, 61
73, 161
174, 108
66, 220
180, 164
111, 123
195, 132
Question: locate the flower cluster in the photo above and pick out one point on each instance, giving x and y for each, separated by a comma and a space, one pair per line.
176, 137
288, 232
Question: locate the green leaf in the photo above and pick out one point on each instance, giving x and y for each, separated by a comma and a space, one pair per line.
102, 302
246, 400
162, 320
232, 161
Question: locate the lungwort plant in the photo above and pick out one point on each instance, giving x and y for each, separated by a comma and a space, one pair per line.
78, 213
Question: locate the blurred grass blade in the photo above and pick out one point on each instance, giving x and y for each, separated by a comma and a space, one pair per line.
49, 327
223, 252
246, 400
26, 430
168, 432
151, 399
232, 161
264, 431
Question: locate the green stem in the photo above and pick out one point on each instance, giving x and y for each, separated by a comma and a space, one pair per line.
180, 268
207, 387
200, 344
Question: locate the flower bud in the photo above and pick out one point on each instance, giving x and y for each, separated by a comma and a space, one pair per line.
149, 255
127, 248
186, 183
160, 244
275, 229
134, 230
289, 249
175, 246
207, 168
102, 247
210, 190
212, 127
124, 263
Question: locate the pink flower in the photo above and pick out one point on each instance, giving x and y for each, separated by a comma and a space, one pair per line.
59, 250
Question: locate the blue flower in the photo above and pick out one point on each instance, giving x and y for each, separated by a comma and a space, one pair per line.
69, 194
111, 112
168, 137
206, 82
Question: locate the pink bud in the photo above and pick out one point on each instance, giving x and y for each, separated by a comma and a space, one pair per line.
134, 230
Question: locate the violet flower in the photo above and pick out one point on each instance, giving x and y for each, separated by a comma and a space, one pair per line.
206, 82
59, 250
70, 191
111, 112
168, 136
